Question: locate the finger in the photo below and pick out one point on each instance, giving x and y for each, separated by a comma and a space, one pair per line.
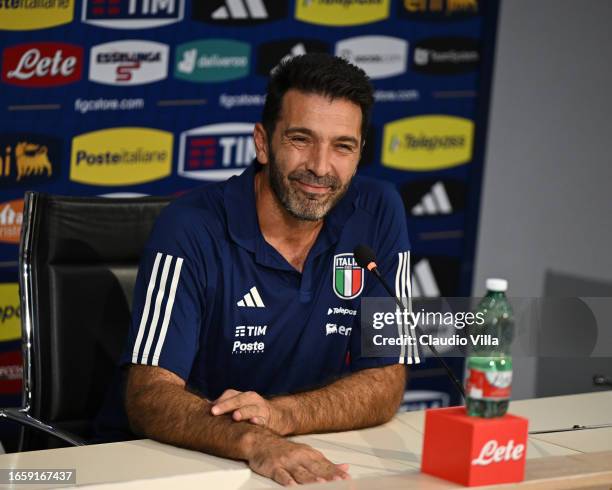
322, 469
283, 477
249, 411
227, 394
302, 475
230, 404
258, 421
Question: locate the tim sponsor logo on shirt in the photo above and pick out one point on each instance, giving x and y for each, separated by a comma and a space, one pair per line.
341, 12
378, 56
271, 54
431, 142
28, 158
130, 62
27, 15
446, 56
10, 323
39, 65
251, 331
216, 152
11, 218
212, 60
132, 14
238, 12
121, 156
438, 9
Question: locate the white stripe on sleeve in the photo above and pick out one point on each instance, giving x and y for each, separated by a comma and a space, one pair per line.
147, 306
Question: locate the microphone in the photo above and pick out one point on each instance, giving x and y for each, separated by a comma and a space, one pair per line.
365, 258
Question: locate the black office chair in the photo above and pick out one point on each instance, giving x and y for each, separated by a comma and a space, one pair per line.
78, 261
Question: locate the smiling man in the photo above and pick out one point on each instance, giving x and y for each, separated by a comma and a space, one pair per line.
246, 325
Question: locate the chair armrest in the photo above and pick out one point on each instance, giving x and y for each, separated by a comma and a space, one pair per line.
21, 417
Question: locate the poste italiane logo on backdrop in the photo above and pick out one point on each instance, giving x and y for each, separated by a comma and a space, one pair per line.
132, 14
11, 217
378, 56
341, 12
28, 158
212, 60
27, 15
10, 325
431, 142
128, 62
216, 152
40, 65
121, 156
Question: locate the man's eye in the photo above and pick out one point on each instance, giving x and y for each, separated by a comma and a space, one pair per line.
346, 148
299, 140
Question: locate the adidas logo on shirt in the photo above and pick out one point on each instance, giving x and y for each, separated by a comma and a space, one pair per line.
434, 202
241, 9
252, 299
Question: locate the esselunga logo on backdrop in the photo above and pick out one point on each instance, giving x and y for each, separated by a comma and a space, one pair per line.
431, 142
212, 60
121, 156
10, 325
341, 12
27, 15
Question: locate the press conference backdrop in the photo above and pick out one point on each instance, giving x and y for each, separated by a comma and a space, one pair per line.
153, 97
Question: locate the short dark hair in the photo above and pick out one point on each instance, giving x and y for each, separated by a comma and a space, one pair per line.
322, 74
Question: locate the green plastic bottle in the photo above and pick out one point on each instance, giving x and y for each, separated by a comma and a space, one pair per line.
489, 364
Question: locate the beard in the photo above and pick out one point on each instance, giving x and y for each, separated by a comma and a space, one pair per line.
300, 204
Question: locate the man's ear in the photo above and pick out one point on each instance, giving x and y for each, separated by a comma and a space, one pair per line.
261, 143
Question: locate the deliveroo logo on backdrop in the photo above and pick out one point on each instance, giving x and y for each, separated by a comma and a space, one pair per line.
212, 60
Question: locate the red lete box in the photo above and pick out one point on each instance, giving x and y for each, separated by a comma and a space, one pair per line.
472, 450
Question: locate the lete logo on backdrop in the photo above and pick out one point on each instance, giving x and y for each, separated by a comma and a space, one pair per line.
128, 62
212, 60
132, 14
42, 64
432, 142
341, 12
378, 56
28, 158
216, 152
28, 15
11, 217
121, 156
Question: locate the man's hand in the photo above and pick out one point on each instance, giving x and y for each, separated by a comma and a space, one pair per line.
252, 407
290, 463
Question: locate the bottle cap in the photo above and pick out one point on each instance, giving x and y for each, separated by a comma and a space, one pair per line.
497, 285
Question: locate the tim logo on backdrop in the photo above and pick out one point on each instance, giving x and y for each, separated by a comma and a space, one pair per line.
11, 218
121, 156
27, 15
339, 13
28, 158
424, 143
216, 152
378, 56
45, 64
239, 12
347, 276
128, 62
132, 14
212, 60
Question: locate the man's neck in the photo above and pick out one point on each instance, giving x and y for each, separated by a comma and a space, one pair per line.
291, 237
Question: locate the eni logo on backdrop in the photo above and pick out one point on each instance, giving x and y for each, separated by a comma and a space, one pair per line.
341, 12
26, 15
432, 142
121, 156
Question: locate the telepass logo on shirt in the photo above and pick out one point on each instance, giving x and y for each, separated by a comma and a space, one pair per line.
347, 278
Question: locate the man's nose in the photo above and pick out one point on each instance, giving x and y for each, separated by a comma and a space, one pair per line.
319, 160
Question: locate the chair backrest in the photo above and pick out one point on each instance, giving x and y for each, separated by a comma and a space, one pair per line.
78, 262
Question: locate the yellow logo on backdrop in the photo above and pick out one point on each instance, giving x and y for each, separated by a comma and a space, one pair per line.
10, 324
26, 15
121, 156
427, 142
341, 12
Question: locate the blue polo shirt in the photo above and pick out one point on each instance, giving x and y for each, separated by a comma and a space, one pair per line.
217, 305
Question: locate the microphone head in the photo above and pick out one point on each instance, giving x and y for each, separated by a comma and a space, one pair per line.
364, 256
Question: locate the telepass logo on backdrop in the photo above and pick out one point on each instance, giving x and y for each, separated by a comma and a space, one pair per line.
216, 152
338, 13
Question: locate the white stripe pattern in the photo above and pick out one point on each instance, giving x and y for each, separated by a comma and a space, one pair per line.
164, 302
403, 291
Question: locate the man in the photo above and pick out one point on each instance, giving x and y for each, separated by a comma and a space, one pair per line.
246, 325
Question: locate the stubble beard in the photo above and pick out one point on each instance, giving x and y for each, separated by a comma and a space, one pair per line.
299, 204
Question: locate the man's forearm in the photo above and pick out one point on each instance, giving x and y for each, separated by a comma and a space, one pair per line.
362, 399
169, 413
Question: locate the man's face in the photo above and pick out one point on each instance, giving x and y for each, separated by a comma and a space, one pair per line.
314, 153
